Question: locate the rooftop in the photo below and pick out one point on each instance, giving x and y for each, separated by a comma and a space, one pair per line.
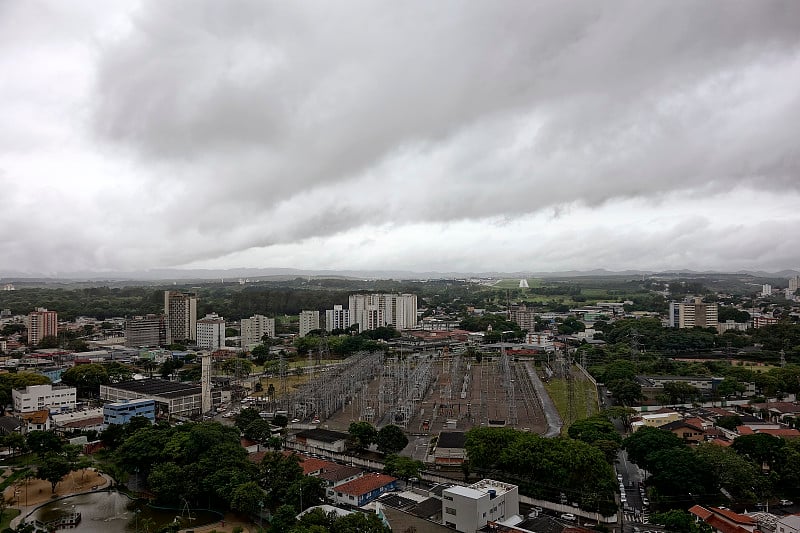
157, 387
322, 435
451, 439
365, 484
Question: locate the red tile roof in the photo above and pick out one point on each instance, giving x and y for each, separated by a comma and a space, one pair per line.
365, 484
36, 417
735, 517
700, 512
782, 432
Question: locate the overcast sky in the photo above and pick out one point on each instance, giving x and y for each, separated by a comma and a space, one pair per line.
451, 136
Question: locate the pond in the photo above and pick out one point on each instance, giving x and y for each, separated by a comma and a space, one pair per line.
112, 512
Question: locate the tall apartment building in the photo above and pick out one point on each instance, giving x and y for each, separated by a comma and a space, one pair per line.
211, 332
766, 290
41, 323
693, 314
254, 329
337, 318
794, 284
524, 317
370, 311
180, 310
150, 330
309, 321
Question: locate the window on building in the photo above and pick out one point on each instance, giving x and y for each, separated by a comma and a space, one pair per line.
450, 510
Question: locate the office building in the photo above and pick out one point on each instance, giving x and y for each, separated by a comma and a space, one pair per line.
692, 314
41, 323
309, 321
122, 412
254, 328
145, 331
468, 509
211, 332
370, 311
180, 310
171, 397
337, 318
39, 397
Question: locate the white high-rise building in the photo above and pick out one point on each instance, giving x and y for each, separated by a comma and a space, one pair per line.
309, 321
766, 290
794, 284
370, 311
211, 332
180, 310
468, 509
337, 318
254, 329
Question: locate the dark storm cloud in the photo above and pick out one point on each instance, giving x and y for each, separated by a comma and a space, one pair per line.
245, 124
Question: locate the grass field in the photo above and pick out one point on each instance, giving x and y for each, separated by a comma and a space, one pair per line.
8, 516
585, 399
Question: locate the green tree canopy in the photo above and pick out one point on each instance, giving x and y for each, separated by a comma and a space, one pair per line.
391, 439
648, 440
362, 435
86, 379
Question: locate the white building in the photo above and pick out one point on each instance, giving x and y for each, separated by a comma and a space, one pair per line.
766, 290
794, 284
254, 329
337, 318
468, 509
211, 332
39, 397
309, 321
370, 311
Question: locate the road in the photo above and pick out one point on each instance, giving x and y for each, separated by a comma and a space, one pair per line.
554, 422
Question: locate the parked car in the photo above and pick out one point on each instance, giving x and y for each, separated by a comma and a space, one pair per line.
786, 502
568, 516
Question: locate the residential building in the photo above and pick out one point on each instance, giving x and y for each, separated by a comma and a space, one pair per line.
39, 397
364, 489
693, 314
36, 421
255, 328
337, 318
788, 524
370, 311
41, 323
468, 509
309, 321
766, 290
211, 332
171, 397
122, 412
730, 325
688, 430
761, 321
146, 331
722, 520
180, 310
524, 317
794, 284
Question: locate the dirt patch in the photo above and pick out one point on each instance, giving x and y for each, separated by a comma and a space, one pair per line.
26, 493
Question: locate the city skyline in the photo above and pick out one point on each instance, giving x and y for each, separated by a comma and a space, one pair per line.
429, 138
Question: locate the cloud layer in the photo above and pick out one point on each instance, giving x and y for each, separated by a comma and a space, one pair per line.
419, 136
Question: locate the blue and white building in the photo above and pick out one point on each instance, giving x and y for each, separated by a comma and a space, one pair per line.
122, 412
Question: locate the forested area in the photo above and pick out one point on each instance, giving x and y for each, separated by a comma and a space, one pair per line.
753, 469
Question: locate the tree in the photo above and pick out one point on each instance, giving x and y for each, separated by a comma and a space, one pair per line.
53, 467
246, 417
730, 386
761, 448
679, 522
648, 440
43, 442
391, 439
402, 467
679, 472
730, 422
48, 342
258, 430
247, 498
166, 481
362, 435
280, 420
732, 472
680, 392
14, 442
148, 365
283, 519
117, 372
86, 379
594, 428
